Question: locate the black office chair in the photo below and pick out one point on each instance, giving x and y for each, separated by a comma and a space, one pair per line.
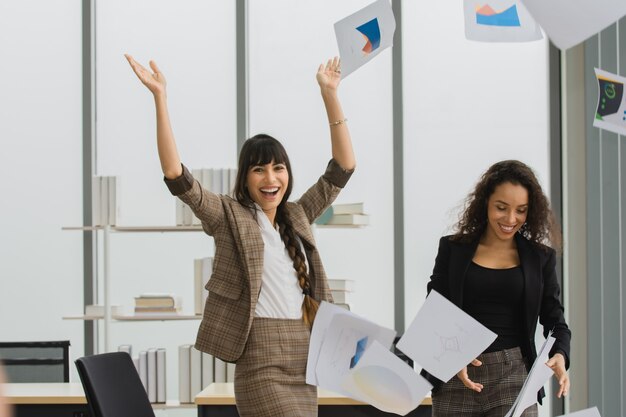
112, 386
36, 361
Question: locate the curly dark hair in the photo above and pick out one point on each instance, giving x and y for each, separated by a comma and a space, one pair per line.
540, 227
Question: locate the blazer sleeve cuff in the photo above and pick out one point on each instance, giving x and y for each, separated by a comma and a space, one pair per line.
336, 175
182, 184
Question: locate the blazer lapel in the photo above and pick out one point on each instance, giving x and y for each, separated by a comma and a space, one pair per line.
461, 256
302, 229
532, 273
247, 230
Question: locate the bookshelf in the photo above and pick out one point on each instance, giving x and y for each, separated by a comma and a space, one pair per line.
108, 317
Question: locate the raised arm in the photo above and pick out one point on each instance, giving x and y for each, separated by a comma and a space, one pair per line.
166, 145
328, 78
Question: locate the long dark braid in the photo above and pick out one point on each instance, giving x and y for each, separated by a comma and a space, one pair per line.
309, 305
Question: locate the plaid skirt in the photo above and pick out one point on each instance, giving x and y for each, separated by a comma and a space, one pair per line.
502, 374
270, 375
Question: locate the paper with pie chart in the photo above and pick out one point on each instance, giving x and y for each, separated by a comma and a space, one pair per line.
611, 109
499, 21
364, 34
385, 382
443, 338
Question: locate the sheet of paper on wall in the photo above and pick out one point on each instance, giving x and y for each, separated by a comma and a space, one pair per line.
443, 338
364, 34
569, 22
348, 336
539, 374
499, 21
589, 412
611, 109
383, 380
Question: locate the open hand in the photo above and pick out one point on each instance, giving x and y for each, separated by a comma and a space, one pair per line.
155, 80
557, 364
462, 375
329, 75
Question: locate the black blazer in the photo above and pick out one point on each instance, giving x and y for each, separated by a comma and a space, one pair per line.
541, 290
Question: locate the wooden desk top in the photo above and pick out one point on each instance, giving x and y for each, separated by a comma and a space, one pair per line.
44, 393
223, 393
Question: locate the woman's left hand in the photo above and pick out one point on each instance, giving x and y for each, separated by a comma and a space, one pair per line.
329, 75
557, 364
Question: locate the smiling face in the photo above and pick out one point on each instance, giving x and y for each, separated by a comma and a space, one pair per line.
267, 185
507, 210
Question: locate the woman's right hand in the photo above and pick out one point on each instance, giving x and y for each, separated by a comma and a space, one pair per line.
462, 375
155, 81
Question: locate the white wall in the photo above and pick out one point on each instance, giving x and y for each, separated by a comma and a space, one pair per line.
466, 105
40, 133
193, 42
288, 40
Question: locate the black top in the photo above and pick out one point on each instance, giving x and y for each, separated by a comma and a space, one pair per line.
494, 297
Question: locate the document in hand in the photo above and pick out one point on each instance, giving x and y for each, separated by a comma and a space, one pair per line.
569, 22
443, 338
364, 34
537, 377
350, 355
589, 412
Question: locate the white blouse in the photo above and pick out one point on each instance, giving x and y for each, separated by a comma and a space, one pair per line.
281, 295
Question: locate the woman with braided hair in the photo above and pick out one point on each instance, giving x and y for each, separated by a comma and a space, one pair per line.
268, 277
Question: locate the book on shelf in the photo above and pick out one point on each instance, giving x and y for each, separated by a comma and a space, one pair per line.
343, 305
207, 369
161, 381
195, 373
143, 369
184, 371
349, 219
350, 208
341, 297
230, 372
152, 375
220, 370
105, 192
341, 284
126, 348
156, 303
203, 268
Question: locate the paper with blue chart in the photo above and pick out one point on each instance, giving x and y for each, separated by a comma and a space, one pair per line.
569, 22
611, 108
381, 379
364, 34
443, 338
499, 21
539, 374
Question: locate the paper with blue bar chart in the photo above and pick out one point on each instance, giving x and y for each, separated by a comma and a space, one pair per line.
611, 109
364, 34
443, 339
499, 21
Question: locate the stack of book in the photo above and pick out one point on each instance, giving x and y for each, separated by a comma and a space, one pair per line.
341, 290
153, 303
151, 368
345, 215
196, 370
105, 191
216, 180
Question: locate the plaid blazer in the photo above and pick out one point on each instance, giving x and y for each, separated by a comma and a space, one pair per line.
235, 283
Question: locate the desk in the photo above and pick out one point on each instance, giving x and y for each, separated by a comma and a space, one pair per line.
218, 400
46, 399
56, 400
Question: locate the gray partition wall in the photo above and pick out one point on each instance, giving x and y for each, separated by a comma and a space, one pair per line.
606, 231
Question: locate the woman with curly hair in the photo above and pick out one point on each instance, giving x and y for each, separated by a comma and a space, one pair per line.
499, 269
